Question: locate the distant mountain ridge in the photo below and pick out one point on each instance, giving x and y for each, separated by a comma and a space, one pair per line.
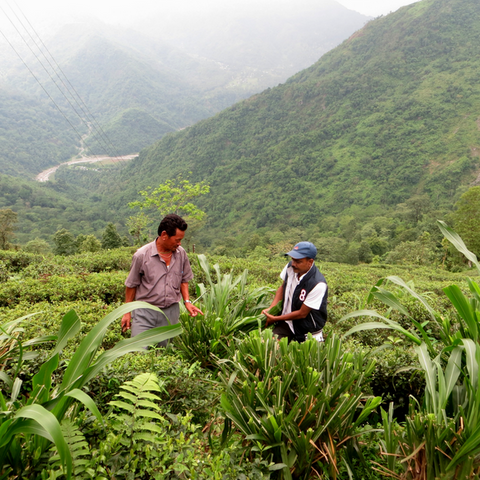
115, 70
389, 114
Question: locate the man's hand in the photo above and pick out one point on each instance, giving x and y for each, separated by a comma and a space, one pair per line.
270, 318
126, 321
193, 311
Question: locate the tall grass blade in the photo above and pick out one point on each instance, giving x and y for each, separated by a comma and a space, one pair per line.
455, 239
90, 344
69, 328
398, 281
472, 364
464, 309
49, 424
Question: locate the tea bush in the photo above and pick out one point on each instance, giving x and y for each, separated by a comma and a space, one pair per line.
100, 287
185, 386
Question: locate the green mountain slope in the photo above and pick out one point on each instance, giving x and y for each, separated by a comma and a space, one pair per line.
110, 78
33, 135
389, 114
44, 208
129, 132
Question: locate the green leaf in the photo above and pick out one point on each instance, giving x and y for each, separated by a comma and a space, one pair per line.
453, 370
88, 347
123, 405
398, 281
388, 298
87, 401
472, 364
42, 381
69, 328
455, 239
135, 344
51, 427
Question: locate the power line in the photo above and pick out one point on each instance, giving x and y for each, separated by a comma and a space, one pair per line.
98, 133
83, 106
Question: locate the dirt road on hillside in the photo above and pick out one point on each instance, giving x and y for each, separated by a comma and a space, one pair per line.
45, 175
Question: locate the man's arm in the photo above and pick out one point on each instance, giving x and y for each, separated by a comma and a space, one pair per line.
297, 314
312, 302
127, 318
191, 308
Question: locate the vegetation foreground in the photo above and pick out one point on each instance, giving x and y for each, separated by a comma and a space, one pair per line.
393, 391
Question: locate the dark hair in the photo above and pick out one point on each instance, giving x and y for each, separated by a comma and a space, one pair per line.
170, 223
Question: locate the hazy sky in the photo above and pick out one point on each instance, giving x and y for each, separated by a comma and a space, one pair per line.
123, 11
375, 8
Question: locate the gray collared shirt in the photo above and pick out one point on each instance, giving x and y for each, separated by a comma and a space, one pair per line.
154, 281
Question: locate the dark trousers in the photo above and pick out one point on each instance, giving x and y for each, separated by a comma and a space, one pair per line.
282, 330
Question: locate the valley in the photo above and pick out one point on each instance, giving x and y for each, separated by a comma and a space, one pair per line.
46, 174
361, 152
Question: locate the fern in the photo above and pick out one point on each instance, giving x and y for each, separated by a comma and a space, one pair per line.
137, 400
79, 450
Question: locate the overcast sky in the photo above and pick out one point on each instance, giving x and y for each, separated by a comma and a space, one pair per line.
123, 11
375, 8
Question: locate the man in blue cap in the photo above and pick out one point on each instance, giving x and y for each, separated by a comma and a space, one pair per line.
304, 293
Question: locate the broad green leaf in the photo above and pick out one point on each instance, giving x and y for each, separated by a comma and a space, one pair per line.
135, 344
398, 281
361, 313
88, 347
453, 370
472, 364
50, 425
455, 239
87, 401
388, 298
368, 326
430, 372
149, 414
69, 328
42, 381
39, 340
16, 389
464, 309
124, 405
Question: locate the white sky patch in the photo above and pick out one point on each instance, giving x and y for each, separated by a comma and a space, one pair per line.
375, 8
123, 12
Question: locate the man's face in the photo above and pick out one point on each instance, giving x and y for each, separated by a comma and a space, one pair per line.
170, 244
301, 265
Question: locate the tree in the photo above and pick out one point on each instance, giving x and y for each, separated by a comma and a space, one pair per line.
37, 245
110, 238
65, 243
8, 218
90, 244
467, 219
137, 228
174, 196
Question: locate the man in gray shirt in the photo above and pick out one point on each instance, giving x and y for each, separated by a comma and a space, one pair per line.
159, 275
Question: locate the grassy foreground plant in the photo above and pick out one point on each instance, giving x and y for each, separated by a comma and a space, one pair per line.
30, 421
229, 307
441, 438
297, 404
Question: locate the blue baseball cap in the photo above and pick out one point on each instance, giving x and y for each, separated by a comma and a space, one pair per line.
303, 250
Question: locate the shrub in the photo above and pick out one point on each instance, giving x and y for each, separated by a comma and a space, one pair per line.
298, 404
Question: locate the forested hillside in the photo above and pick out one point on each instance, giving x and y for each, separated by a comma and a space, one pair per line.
33, 135
44, 208
168, 85
390, 115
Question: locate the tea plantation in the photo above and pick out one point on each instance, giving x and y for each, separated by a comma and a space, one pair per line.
392, 392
